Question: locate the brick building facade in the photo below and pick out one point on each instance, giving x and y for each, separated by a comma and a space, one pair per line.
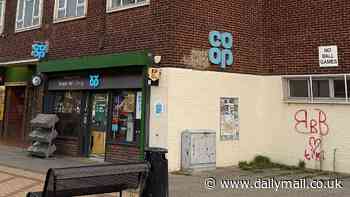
266, 33
293, 32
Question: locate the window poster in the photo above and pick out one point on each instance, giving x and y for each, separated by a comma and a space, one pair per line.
2, 102
129, 103
130, 129
229, 119
138, 105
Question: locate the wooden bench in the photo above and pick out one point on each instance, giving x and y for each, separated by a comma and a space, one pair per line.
98, 179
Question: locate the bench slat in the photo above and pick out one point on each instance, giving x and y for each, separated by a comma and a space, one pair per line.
92, 171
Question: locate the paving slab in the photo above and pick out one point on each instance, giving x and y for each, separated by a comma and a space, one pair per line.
195, 185
17, 183
19, 158
20, 173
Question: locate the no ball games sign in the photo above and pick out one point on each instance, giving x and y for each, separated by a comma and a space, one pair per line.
328, 56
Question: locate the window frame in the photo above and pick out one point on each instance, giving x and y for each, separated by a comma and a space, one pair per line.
289, 89
56, 19
2, 17
330, 87
311, 99
110, 9
41, 6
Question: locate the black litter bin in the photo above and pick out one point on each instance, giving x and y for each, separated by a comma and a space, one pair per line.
157, 184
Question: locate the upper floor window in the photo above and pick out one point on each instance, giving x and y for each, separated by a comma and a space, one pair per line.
114, 5
29, 13
70, 9
2, 15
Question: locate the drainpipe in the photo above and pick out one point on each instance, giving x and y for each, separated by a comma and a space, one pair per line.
322, 153
334, 153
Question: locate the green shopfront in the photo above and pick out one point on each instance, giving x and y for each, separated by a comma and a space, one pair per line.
101, 102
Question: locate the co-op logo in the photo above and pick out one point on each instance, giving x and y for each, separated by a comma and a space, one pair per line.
95, 81
221, 51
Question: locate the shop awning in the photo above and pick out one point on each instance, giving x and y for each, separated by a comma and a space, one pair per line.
18, 74
95, 62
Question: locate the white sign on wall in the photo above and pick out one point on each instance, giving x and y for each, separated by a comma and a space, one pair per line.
328, 56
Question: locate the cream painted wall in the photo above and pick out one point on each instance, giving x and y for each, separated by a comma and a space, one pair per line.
192, 101
288, 146
158, 136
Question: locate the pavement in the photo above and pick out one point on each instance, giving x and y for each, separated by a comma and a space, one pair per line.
17, 182
19, 158
196, 185
20, 173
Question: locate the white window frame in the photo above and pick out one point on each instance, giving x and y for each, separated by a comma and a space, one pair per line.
69, 18
311, 99
2, 17
288, 88
110, 9
17, 29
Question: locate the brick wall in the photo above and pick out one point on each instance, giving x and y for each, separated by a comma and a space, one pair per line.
177, 30
99, 33
122, 153
196, 18
67, 146
294, 30
270, 36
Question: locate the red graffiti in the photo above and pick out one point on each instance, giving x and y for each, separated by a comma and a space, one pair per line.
307, 125
313, 123
313, 151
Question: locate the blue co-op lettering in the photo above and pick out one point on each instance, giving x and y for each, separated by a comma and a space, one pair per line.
39, 50
221, 51
94, 81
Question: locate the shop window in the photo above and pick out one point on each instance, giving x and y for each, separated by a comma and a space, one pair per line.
114, 5
298, 88
339, 88
325, 88
29, 14
68, 102
320, 88
2, 15
126, 117
70, 9
348, 88
67, 105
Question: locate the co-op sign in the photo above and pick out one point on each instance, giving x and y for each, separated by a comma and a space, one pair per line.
328, 56
220, 52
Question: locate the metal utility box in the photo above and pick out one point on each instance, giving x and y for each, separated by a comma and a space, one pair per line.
198, 150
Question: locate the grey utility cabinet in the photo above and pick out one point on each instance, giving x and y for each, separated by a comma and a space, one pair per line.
198, 150
43, 134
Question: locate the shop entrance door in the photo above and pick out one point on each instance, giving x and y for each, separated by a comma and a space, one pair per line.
14, 116
98, 124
